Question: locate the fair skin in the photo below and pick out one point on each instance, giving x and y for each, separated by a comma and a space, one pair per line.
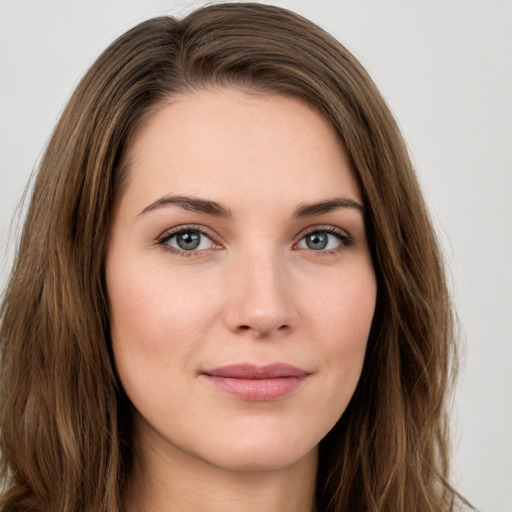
242, 293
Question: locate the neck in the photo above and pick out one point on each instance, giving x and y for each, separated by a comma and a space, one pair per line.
173, 480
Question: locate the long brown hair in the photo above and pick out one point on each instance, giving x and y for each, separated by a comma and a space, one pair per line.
64, 420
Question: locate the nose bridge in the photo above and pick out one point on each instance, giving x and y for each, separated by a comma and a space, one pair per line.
259, 296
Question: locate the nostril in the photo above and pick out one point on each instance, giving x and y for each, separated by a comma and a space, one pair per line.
243, 328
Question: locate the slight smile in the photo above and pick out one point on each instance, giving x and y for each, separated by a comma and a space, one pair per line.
257, 383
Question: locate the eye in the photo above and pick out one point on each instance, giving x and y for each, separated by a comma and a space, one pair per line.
326, 239
186, 240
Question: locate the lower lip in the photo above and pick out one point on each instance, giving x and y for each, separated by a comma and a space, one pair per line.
262, 390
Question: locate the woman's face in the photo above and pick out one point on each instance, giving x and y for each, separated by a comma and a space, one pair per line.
240, 280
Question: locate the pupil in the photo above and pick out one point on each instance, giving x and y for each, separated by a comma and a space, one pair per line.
317, 241
188, 241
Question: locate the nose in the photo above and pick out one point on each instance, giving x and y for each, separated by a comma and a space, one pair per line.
260, 298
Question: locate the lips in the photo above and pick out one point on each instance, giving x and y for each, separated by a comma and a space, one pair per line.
257, 383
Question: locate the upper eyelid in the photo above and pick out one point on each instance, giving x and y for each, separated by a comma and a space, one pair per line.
206, 230
215, 238
327, 227
345, 239
170, 232
322, 227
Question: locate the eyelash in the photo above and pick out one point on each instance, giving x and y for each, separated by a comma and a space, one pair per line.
162, 241
343, 237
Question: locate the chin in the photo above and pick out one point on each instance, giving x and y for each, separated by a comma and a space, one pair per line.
265, 453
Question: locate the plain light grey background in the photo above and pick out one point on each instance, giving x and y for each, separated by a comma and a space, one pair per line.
445, 68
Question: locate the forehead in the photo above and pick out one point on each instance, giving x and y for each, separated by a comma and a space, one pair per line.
238, 146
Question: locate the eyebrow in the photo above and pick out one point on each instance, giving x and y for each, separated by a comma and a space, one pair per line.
308, 210
213, 208
192, 204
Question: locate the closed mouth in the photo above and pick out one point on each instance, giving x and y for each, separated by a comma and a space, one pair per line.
257, 383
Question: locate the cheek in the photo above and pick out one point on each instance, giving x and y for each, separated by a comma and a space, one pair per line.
342, 310
150, 306
341, 319
156, 323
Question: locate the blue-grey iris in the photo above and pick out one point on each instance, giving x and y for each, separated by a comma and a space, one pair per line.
317, 241
188, 240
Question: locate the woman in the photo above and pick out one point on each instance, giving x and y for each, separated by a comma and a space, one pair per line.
228, 293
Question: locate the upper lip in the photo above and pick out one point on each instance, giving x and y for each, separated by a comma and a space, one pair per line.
255, 372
